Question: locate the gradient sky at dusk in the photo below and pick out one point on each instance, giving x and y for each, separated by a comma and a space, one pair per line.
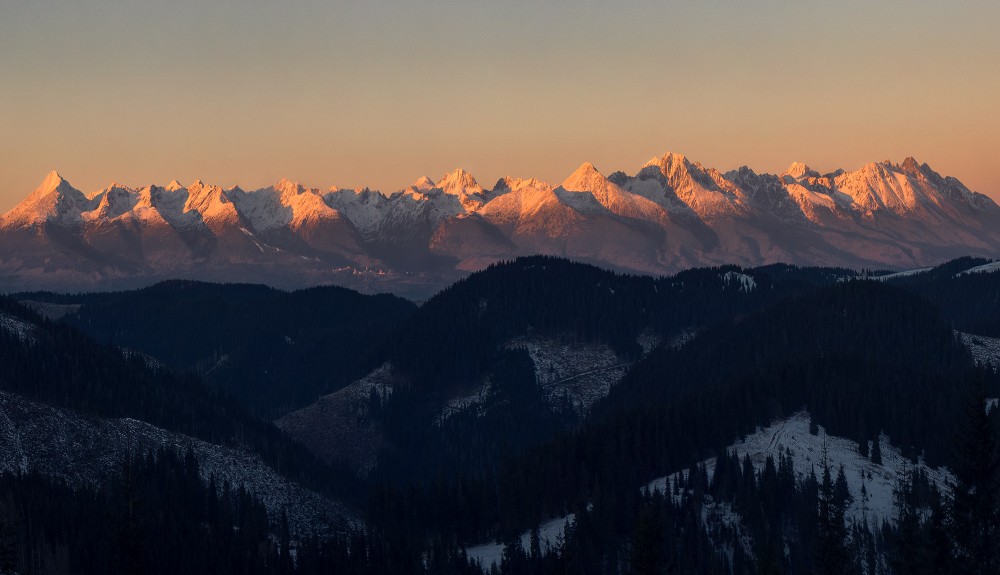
379, 93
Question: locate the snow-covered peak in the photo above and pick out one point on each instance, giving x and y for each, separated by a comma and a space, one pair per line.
586, 178
212, 202
509, 184
173, 186
799, 170
113, 201
53, 200
459, 183
706, 192
884, 186
668, 162
423, 183
286, 186
51, 182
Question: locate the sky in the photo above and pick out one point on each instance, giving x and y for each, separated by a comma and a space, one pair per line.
380, 92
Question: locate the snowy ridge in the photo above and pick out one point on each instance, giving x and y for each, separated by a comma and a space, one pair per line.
983, 269
902, 274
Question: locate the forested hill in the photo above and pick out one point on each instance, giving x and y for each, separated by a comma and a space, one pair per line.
468, 404
453, 336
55, 364
274, 350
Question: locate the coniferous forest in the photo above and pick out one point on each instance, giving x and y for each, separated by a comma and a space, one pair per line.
474, 444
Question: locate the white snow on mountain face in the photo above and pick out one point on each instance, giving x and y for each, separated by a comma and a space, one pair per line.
792, 436
671, 215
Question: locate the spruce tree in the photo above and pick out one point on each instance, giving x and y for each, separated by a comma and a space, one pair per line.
877, 449
974, 496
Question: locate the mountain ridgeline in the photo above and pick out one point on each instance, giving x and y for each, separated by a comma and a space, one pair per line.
537, 392
672, 214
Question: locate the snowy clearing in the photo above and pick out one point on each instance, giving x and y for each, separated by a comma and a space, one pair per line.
985, 350
806, 451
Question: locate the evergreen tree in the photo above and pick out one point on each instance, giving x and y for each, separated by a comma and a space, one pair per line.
8, 542
832, 555
975, 494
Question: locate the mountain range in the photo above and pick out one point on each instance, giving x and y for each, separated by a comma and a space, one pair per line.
672, 214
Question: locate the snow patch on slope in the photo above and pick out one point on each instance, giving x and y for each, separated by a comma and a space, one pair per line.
747, 283
902, 274
985, 350
22, 330
87, 452
566, 369
550, 535
792, 435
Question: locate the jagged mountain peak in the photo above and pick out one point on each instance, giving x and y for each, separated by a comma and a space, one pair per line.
423, 183
174, 185
288, 186
799, 170
459, 182
512, 184
586, 178
51, 181
53, 200
668, 161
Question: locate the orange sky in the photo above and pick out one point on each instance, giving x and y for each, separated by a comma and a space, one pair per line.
378, 94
